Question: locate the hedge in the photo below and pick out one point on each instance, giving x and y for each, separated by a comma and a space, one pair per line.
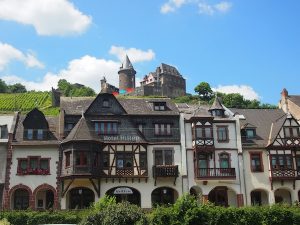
186, 211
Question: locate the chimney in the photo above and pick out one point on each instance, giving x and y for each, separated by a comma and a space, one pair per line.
283, 104
284, 93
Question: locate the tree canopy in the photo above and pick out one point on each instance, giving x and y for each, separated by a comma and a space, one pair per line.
14, 88
74, 90
204, 91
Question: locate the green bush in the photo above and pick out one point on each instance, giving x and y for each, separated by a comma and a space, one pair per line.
117, 214
4, 222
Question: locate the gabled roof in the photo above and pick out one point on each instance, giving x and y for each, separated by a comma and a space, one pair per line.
18, 138
295, 99
275, 128
248, 125
132, 106
82, 131
262, 119
217, 105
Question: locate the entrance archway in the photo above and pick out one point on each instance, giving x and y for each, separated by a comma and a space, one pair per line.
283, 196
44, 199
223, 196
128, 194
259, 197
21, 199
163, 196
80, 198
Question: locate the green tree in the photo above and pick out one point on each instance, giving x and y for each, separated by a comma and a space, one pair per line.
17, 88
69, 89
234, 100
3, 86
204, 91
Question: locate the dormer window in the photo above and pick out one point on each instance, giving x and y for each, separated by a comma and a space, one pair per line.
40, 134
217, 112
159, 106
30, 134
250, 133
3, 132
107, 128
105, 103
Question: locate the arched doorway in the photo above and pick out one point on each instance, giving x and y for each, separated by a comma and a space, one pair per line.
223, 196
259, 197
163, 195
21, 199
128, 194
283, 196
80, 198
44, 199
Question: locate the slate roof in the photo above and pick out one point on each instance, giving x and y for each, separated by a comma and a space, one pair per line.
133, 106
53, 134
217, 105
295, 99
81, 132
262, 119
275, 128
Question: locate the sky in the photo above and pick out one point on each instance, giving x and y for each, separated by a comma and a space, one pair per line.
248, 47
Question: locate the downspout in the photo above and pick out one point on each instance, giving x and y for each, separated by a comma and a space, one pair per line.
243, 186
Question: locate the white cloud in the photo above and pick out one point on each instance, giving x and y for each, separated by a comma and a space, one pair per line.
87, 70
211, 9
223, 7
49, 17
134, 54
203, 6
247, 91
9, 53
171, 6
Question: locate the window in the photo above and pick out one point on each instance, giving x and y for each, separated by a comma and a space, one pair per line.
256, 162
30, 134
203, 132
105, 103
162, 129
159, 106
81, 159
291, 132
124, 160
68, 159
281, 162
40, 134
33, 166
143, 160
250, 133
222, 133
141, 127
3, 132
107, 128
163, 157
105, 160
217, 112
224, 160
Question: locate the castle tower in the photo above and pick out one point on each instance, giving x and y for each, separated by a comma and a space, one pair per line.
126, 76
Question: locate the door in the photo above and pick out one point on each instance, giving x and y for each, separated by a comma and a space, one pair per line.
203, 170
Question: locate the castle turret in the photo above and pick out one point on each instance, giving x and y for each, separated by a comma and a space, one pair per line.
126, 76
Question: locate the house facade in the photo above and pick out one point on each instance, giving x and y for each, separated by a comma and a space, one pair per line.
213, 152
128, 148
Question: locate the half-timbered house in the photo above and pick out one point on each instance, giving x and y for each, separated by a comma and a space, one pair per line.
271, 147
129, 148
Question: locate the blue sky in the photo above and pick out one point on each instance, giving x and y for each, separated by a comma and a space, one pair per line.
250, 47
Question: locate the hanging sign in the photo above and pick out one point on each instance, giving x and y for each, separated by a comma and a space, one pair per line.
123, 191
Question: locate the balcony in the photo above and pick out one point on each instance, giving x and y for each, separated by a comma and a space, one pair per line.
165, 171
283, 174
215, 173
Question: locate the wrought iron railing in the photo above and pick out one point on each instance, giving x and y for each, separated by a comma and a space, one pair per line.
165, 171
283, 173
216, 173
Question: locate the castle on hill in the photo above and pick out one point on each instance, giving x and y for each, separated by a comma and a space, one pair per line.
164, 81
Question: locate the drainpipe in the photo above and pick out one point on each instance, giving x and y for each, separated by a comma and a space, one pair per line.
240, 160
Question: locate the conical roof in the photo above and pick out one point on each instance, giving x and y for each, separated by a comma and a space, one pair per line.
127, 64
217, 105
81, 132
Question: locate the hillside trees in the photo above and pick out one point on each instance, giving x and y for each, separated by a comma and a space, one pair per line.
74, 90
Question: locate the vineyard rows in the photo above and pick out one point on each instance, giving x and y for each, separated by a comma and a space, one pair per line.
24, 101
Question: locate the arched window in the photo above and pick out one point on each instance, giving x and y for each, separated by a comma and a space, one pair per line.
21, 199
80, 198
